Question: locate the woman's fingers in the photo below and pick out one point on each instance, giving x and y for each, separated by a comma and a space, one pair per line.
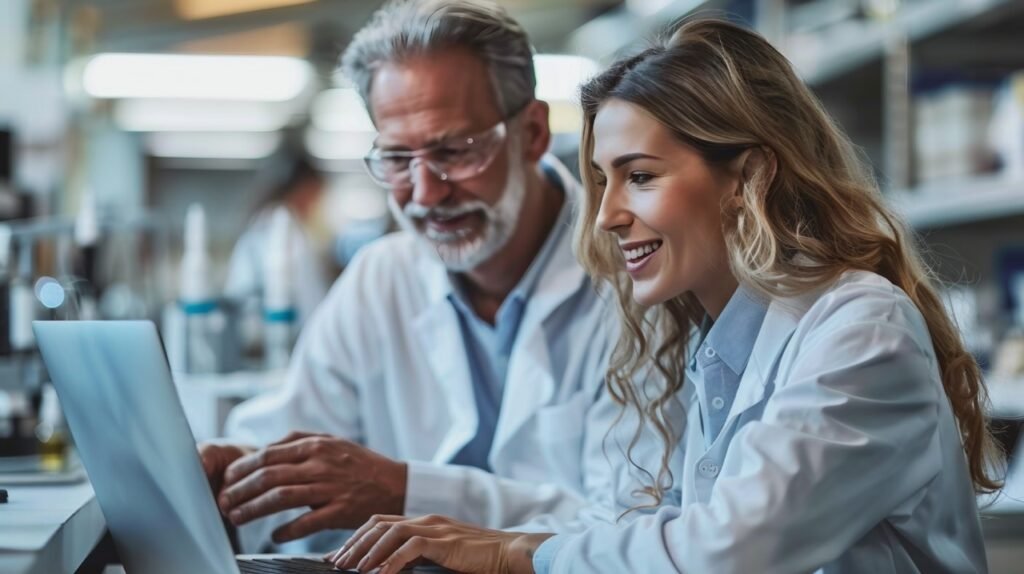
397, 535
392, 543
411, 551
363, 540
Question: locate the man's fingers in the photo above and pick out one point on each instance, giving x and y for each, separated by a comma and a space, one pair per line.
272, 455
275, 500
258, 483
294, 436
309, 523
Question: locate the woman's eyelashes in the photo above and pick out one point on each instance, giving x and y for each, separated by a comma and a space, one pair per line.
637, 178
640, 177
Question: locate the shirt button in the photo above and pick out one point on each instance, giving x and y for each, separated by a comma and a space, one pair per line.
709, 353
717, 403
708, 468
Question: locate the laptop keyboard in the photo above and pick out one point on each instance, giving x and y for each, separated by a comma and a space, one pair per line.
285, 566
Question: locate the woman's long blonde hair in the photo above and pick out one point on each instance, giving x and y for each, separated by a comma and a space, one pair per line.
723, 89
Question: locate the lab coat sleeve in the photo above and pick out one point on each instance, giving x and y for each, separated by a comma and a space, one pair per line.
473, 495
844, 440
479, 497
613, 475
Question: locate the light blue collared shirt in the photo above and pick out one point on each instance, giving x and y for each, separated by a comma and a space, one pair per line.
488, 347
715, 370
717, 366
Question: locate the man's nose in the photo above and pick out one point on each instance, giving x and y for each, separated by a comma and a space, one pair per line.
428, 189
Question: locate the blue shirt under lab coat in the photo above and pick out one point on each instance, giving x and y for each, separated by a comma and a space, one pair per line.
489, 346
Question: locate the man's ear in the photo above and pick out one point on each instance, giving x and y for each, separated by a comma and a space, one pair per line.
536, 130
757, 166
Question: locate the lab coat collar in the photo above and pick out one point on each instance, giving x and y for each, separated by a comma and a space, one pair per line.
528, 384
781, 319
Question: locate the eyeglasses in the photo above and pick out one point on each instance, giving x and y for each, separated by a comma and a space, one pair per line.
453, 159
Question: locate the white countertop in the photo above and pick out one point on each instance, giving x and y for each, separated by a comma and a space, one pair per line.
48, 529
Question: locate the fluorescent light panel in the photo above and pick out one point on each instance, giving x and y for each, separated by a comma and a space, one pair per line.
213, 145
335, 146
241, 78
148, 115
199, 9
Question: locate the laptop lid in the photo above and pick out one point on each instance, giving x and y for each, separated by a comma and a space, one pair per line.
123, 410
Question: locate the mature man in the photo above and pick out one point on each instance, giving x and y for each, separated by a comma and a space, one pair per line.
455, 367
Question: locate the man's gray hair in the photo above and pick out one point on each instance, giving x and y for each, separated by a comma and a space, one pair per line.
405, 28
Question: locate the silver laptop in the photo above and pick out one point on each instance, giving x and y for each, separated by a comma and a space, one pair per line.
132, 436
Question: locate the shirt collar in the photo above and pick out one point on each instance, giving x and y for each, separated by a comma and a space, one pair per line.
733, 335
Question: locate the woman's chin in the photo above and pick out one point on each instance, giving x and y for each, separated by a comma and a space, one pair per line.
647, 296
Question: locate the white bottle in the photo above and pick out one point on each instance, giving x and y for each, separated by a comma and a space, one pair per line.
23, 302
279, 315
196, 299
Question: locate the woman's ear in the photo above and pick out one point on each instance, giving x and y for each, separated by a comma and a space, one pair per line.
757, 167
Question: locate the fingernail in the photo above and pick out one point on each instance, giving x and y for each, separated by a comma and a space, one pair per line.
235, 516
345, 558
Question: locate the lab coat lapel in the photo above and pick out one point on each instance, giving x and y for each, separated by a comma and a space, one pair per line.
778, 326
530, 383
437, 328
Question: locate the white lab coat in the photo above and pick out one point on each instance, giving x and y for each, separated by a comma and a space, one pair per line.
840, 455
382, 362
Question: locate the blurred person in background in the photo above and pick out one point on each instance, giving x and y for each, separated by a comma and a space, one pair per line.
833, 421
297, 187
455, 367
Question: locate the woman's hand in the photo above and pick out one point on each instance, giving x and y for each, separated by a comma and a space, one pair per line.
394, 542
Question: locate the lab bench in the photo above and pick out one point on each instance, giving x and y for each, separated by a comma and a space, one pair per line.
49, 529
53, 529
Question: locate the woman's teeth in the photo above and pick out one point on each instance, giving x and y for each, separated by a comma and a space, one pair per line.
642, 251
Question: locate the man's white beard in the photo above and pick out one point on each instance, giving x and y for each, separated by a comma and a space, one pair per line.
465, 249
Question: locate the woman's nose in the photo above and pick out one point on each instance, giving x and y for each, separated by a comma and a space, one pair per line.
611, 215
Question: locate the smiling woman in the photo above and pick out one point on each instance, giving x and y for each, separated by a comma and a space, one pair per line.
833, 420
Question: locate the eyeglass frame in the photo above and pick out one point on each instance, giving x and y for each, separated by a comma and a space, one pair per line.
500, 130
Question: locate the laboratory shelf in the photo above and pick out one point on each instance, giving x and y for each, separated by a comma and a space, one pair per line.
822, 56
961, 201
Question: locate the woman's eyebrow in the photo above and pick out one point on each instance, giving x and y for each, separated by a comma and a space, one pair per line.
624, 159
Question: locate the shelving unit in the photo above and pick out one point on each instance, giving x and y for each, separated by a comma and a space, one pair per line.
824, 57
950, 203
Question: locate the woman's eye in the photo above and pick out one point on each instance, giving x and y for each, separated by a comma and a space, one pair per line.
640, 178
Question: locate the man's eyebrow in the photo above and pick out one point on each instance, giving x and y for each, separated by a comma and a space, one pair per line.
462, 132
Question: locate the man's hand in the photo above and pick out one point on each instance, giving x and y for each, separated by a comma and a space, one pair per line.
216, 459
343, 484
